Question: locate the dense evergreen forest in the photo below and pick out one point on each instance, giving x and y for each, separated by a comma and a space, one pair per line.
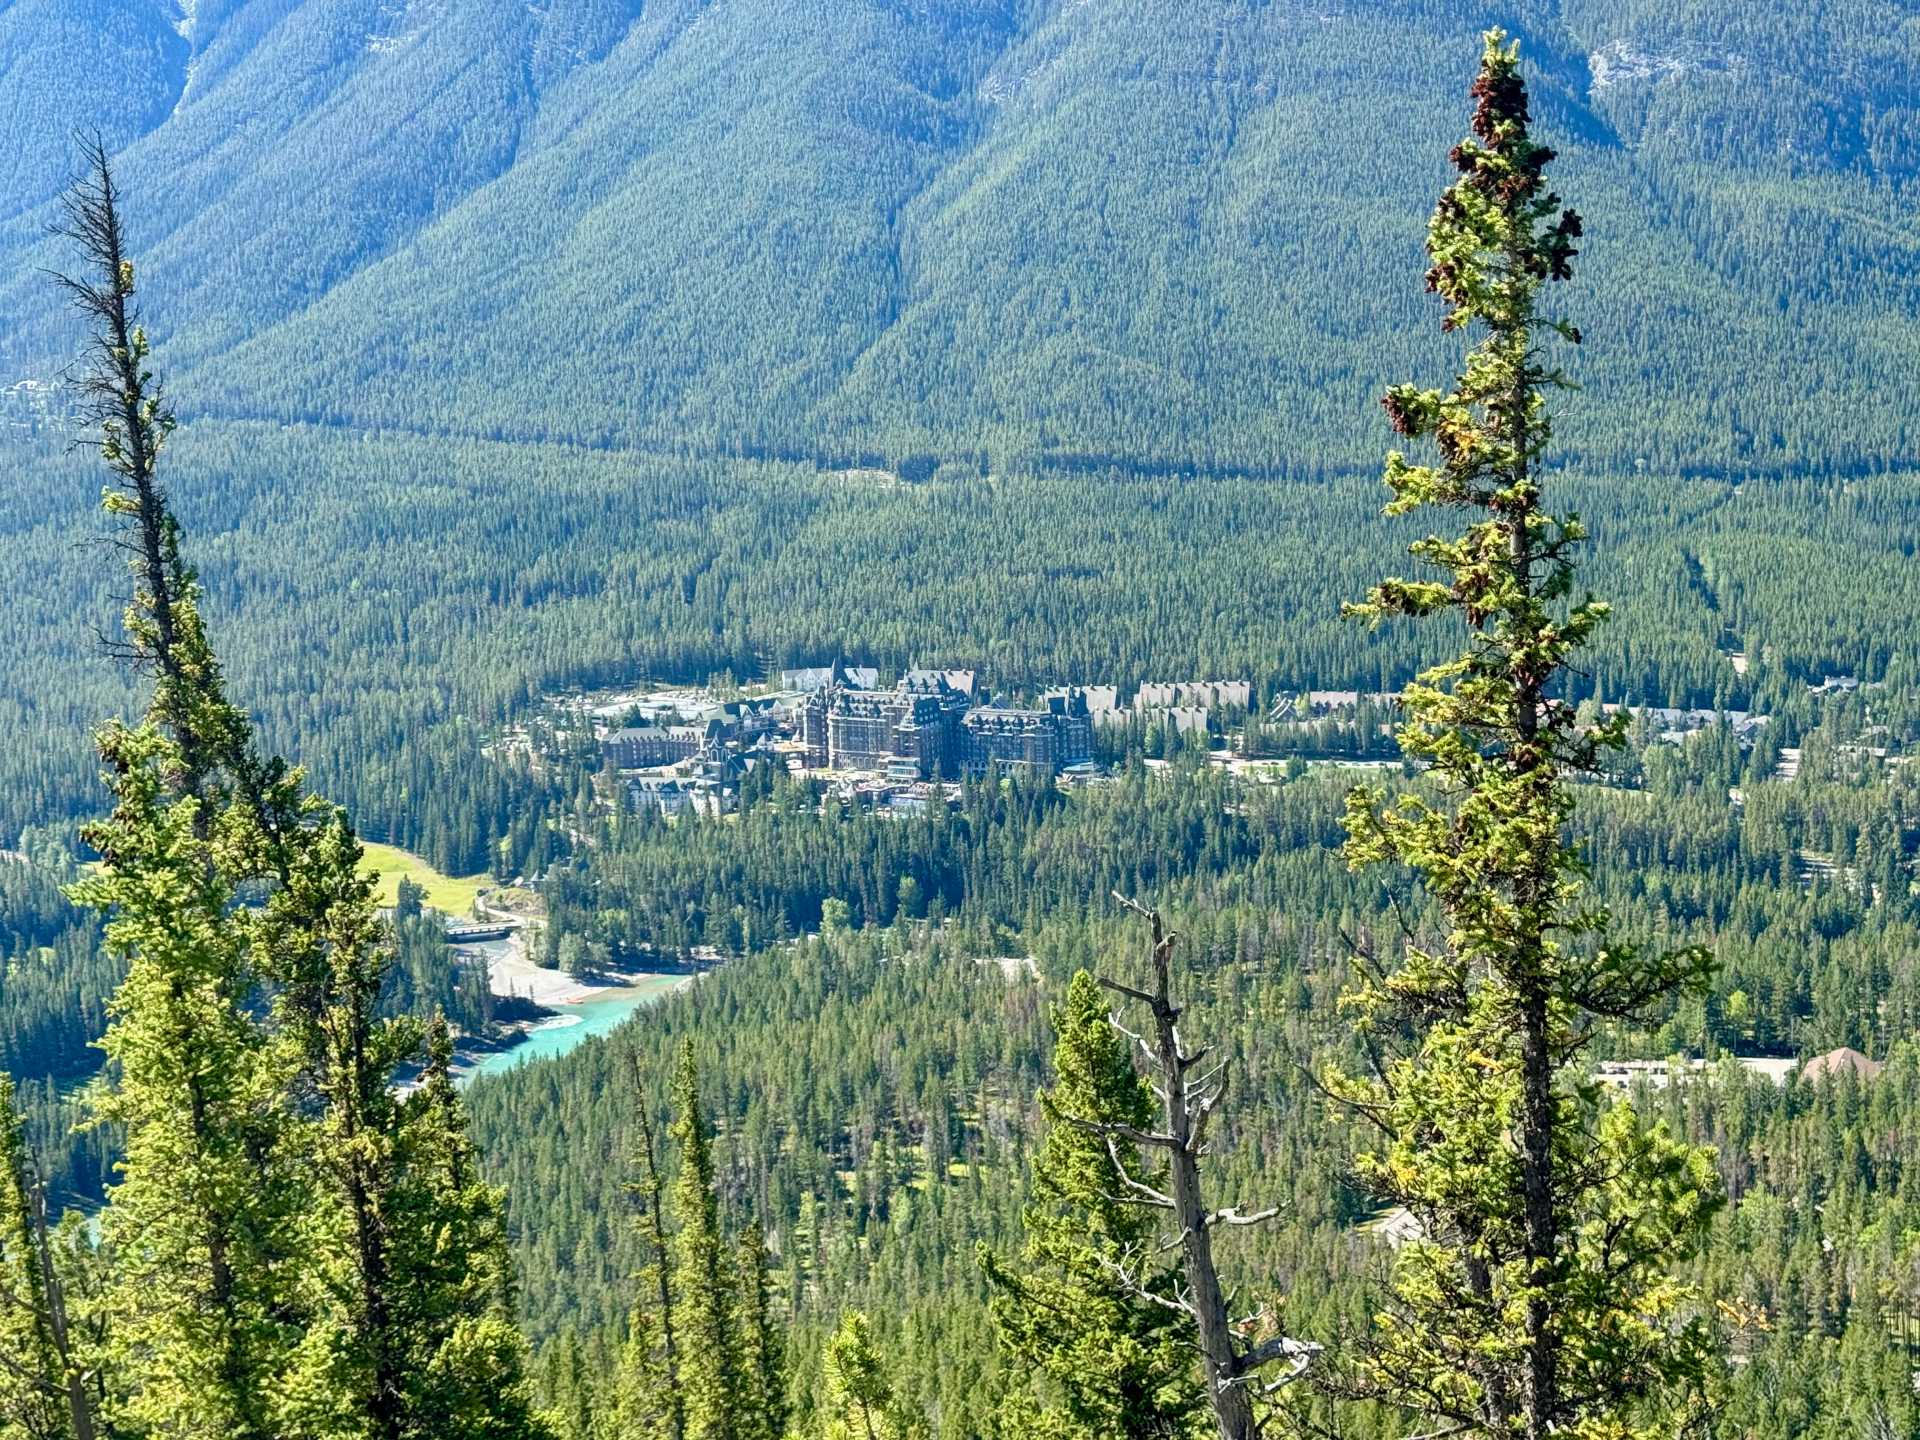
993, 235
876, 1085
1043, 338
393, 603
1075, 280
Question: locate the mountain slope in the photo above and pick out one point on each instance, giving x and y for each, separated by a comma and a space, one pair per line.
1162, 234
129, 51
1021, 252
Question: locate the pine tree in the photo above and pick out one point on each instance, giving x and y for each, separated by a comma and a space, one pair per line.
44, 1394
572, 1397
648, 1400
201, 1219
1189, 1089
467, 1367
763, 1390
354, 1364
859, 1402
1118, 1363
282, 1269
643, 1404
120, 398
201, 1216
709, 1364
1539, 1300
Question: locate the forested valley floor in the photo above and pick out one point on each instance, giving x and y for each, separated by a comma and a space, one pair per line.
871, 1059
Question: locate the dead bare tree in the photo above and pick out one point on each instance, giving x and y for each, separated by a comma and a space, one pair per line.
1232, 1361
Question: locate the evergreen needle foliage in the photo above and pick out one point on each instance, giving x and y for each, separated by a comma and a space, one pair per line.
859, 1399
709, 1373
702, 1353
44, 1393
1537, 1298
1109, 1361
762, 1357
293, 1252
646, 1397
296, 1249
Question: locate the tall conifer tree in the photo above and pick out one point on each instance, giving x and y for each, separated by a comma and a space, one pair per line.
709, 1369
763, 1381
467, 1368
703, 1355
859, 1401
648, 1404
407, 1282
295, 1252
1538, 1299
200, 1220
640, 1398
1114, 1361
44, 1392
353, 1359
1238, 1369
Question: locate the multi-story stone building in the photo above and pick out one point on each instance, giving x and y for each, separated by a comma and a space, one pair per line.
914, 727
925, 728
1038, 742
640, 747
813, 728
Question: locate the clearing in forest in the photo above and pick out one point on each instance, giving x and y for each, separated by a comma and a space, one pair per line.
444, 892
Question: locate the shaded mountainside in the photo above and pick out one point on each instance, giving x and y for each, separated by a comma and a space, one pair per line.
1002, 232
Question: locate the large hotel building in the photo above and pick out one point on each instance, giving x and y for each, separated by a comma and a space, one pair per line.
927, 727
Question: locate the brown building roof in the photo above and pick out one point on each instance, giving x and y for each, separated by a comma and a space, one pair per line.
1836, 1062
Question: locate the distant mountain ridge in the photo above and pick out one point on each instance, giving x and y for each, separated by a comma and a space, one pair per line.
1147, 232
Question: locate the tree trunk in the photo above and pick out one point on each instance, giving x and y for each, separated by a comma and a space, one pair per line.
79, 1404
1541, 1223
1496, 1400
360, 1085
1226, 1389
1232, 1407
656, 1199
1534, 769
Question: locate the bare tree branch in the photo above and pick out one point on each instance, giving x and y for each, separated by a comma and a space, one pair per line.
1187, 1106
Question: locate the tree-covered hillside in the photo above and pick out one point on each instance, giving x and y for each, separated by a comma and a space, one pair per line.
1012, 232
874, 1084
521, 346
557, 347
391, 601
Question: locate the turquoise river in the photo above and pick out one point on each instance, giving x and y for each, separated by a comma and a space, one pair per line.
573, 1024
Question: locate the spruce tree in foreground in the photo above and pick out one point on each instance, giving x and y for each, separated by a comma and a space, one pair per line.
45, 1393
1539, 1298
703, 1355
201, 1220
703, 1302
31, 1390
293, 1252
1113, 1362
457, 1295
